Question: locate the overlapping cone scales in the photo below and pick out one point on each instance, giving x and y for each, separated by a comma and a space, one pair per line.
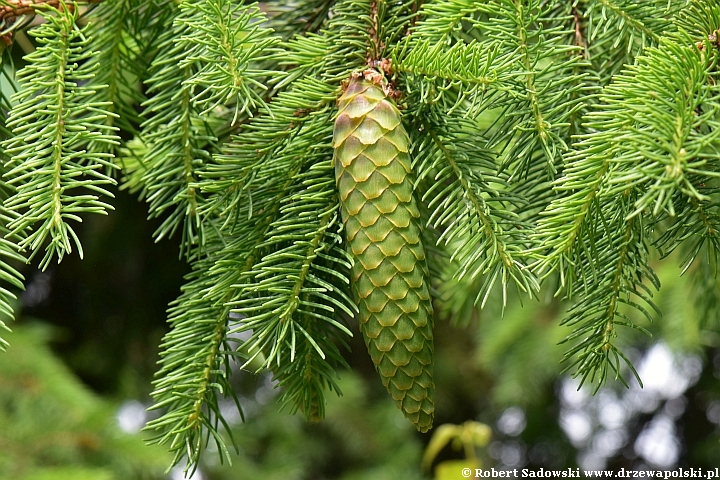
390, 280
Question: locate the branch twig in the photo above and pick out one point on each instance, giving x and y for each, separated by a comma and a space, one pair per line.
16, 8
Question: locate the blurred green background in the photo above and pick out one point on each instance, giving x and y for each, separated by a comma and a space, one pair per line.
75, 383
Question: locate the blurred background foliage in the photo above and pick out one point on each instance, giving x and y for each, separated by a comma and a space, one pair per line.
75, 383
54, 427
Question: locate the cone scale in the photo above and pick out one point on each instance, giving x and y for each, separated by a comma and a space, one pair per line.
382, 232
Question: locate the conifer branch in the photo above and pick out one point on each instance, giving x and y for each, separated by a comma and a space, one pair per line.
174, 135
262, 145
394, 22
195, 369
542, 99
579, 34
441, 22
705, 284
617, 31
45, 166
295, 293
596, 315
196, 353
472, 207
652, 146
471, 64
625, 15
297, 17
623, 149
227, 44
689, 128
9, 251
123, 32
9, 257
697, 224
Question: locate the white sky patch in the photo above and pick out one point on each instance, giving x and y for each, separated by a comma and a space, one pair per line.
512, 454
131, 416
571, 396
675, 407
607, 442
713, 412
658, 444
612, 413
577, 426
229, 411
512, 421
666, 375
591, 461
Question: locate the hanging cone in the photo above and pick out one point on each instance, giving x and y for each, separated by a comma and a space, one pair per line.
381, 217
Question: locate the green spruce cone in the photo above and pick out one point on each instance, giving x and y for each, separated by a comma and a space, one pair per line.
390, 277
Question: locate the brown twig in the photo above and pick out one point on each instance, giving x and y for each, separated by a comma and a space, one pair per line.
416, 6
713, 38
16, 8
579, 38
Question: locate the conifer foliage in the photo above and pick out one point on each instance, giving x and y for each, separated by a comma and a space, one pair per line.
328, 163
